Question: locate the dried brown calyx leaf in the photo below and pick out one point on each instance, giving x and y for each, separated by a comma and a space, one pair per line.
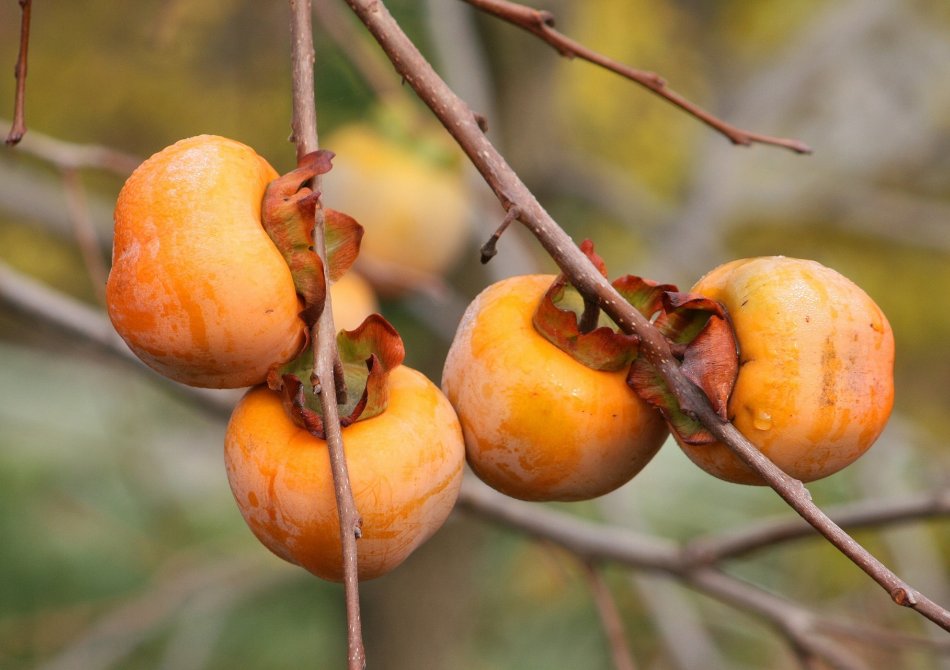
578, 328
288, 214
702, 337
698, 329
367, 353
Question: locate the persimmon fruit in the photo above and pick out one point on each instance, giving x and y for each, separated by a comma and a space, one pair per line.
414, 210
353, 299
405, 467
538, 424
815, 385
197, 288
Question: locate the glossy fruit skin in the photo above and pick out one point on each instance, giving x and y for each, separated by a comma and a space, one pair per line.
538, 424
816, 377
405, 467
197, 289
414, 213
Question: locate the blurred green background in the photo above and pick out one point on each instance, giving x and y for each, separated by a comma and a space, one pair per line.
120, 546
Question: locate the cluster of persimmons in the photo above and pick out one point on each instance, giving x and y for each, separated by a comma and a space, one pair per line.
213, 281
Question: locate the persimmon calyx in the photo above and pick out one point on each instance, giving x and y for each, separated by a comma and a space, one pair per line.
702, 337
368, 354
288, 213
561, 318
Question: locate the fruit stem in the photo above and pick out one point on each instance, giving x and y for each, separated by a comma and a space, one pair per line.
589, 317
326, 358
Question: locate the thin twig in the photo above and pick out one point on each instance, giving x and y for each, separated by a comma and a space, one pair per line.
304, 124
375, 70
72, 156
459, 120
610, 618
490, 249
85, 232
541, 24
770, 532
18, 129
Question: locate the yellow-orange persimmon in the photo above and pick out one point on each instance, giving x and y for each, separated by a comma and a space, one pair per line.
538, 424
816, 355
353, 299
414, 211
405, 467
197, 289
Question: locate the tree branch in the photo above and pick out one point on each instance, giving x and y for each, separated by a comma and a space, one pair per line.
37, 300
771, 532
594, 542
462, 124
591, 542
541, 24
610, 618
72, 156
18, 129
304, 124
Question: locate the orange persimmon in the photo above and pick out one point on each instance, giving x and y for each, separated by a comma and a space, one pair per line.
197, 288
353, 299
538, 424
816, 377
414, 210
405, 466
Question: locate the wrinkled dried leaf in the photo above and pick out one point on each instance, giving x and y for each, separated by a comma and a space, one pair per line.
287, 214
367, 353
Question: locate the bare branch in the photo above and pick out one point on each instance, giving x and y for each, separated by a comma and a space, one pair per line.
541, 24
460, 121
771, 532
338, 26
610, 619
595, 542
304, 124
73, 156
18, 128
85, 232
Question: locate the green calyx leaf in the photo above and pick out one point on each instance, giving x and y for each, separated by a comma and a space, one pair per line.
288, 213
702, 337
367, 354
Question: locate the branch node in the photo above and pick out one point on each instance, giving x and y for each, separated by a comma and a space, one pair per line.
545, 18
905, 596
482, 122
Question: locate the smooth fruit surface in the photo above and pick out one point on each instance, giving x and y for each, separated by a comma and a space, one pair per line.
415, 213
816, 354
197, 289
539, 425
405, 467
